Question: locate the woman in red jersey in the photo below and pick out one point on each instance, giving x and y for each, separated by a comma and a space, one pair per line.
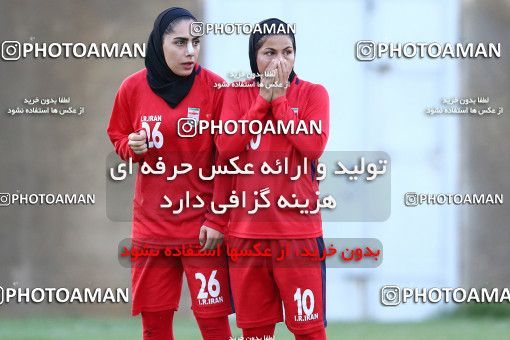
144, 126
260, 285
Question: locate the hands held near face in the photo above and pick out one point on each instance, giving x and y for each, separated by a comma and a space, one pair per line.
283, 70
273, 87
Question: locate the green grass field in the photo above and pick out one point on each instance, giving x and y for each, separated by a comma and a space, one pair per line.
109, 328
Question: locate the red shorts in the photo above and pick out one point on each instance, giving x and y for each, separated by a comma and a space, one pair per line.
260, 284
157, 281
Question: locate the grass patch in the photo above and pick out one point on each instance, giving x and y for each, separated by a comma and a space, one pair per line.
447, 327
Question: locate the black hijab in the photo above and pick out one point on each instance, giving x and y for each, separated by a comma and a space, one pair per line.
256, 36
166, 84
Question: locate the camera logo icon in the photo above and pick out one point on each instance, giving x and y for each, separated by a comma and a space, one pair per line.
411, 199
5, 199
187, 127
365, 50
197, 29
390, 295
11, 50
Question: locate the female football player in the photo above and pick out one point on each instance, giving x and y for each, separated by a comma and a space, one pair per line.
261, 284
154, 111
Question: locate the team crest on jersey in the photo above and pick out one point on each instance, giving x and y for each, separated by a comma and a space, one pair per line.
295, 109
194, 113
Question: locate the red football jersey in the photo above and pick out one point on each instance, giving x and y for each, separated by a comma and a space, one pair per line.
137, 107
304, 102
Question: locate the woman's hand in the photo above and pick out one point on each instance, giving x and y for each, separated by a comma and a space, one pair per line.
282, 78
209, 238
266, 83
137, 142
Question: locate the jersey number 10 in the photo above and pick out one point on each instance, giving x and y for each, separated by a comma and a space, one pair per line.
302, 301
